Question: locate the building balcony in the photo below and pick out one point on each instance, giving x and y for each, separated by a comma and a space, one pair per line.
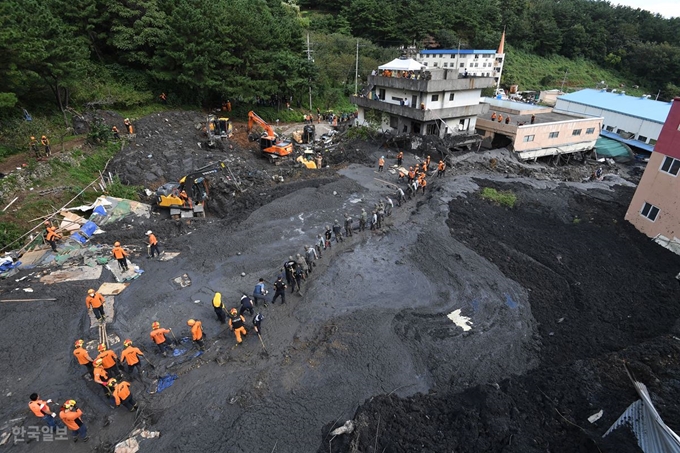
417, 114
452, 82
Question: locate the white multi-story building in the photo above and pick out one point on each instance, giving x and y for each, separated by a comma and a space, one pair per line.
421, 100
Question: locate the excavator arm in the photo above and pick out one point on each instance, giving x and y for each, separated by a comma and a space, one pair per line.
254, 118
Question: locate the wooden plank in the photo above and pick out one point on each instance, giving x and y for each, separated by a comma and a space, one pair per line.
23, 300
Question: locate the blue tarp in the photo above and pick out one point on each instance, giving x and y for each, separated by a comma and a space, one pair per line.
78, 238
8, 266
165, 382
89, 228
99, 210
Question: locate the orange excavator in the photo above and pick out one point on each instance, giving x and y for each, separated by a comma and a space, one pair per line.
270, 143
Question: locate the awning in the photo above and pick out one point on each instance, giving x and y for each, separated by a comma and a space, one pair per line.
399, 64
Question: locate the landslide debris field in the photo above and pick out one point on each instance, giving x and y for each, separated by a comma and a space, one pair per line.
552, 297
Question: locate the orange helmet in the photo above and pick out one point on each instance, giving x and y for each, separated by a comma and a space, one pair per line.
98, 362
111, 382
90, 291
32, 137
44, 136
233, 312
127, 343
116, 244
101, 347
191, 322
79, 343
155, 325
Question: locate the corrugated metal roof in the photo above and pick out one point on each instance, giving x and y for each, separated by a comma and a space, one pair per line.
638, 107
455, 51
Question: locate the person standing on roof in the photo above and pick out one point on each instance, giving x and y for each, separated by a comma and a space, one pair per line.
109, 360
328, 235
83, 356
279, 290
381, 163
41, 410
289, 269
72, 418
260, 292
120, 255
197, 333
311, 256
401, 197
237, 325
320, 245
153, 245
51, 235
301, 263
219, 308
46, 143
158, 336
246, 305
130, 356
121, 394
400, 158
95, 301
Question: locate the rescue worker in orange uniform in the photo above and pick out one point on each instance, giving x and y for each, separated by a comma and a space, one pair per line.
424, 167
164, 98
120, 255
128, 125
71, 416
114, 131
153, 245
46, 143
381, 163
422, 183
441, 168
83, 356
109, 360
493, 116
158, 337
51, 235
400, 158
130, 356
33, 145
237, 325
197, 333
411, 174
427, 162
41, 410
100, 376
121, 394
96, 301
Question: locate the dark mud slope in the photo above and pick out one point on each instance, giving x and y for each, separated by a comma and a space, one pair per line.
603, 294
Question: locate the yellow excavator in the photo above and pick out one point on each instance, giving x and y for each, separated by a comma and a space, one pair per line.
187, 197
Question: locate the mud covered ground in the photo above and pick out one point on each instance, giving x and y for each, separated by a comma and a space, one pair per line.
554, 305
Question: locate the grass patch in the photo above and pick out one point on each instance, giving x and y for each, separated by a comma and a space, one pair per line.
503, 198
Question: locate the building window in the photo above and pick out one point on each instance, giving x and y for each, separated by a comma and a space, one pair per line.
576, 132
553, 135
652, 141
432, 129
435, 64
670, 166
610, 128
394, 122
650, 211
590, 130
381, 94
446, 65
642, 138
435, 97
451, 97
462, 65
476, 65
528, 138
452, 56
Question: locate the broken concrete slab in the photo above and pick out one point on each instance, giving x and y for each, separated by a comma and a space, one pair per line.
182, 281
72, 274
32, 258
167, 256
112, 289
132, 273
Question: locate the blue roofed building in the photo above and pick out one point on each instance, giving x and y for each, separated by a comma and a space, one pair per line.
635, 121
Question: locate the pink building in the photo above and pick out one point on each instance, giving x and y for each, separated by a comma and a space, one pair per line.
655, 208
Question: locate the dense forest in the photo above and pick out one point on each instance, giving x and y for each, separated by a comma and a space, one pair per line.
198, 52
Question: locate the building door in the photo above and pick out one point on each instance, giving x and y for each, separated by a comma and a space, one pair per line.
416, 128
414, 101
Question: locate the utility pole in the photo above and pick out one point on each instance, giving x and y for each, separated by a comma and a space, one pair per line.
356, 72
309, 58
657, 95
564, 79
